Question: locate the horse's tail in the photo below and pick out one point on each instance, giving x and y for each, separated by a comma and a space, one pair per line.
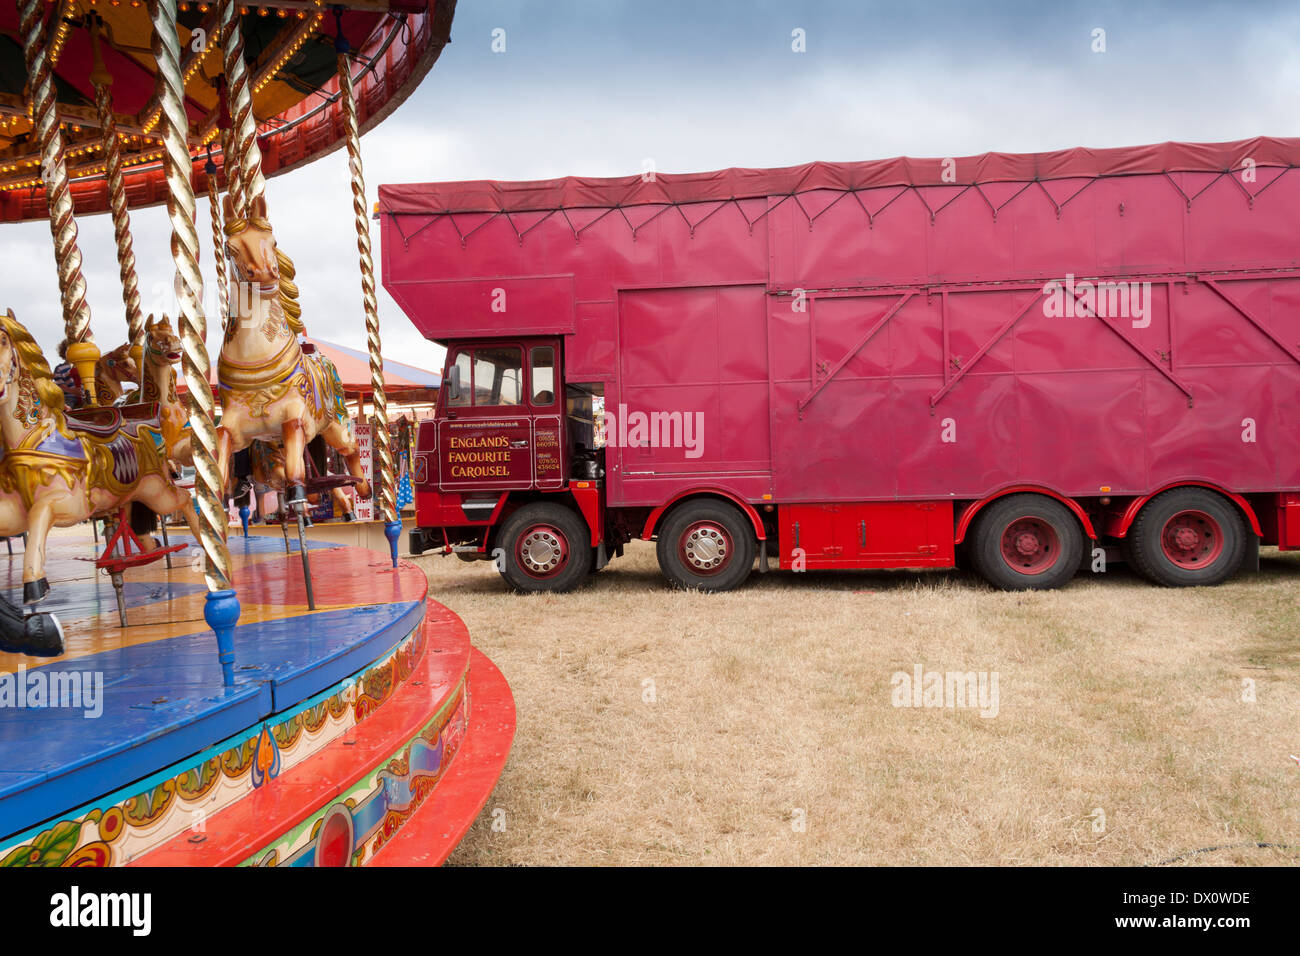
143, 519
316, 449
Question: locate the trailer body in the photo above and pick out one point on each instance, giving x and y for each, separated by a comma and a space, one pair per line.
859, 360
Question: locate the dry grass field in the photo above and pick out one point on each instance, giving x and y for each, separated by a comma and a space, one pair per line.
758, 727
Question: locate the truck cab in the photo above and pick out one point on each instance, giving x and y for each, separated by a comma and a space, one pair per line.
505, 470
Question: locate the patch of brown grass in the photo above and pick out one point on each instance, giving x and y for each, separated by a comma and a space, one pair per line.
658, 727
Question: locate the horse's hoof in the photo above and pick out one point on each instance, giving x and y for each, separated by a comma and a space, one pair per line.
34, 591
297, 495
349, 516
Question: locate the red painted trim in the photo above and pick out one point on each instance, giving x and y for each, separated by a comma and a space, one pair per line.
968, 513
588, 500
1131, 512
253, 823
442, 821
745, 506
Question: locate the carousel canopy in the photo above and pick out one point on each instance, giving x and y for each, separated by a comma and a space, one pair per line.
289, 50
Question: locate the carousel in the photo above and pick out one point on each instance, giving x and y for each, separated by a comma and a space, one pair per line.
212, 698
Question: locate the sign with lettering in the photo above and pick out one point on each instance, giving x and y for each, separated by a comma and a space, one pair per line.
485, 453
364, 508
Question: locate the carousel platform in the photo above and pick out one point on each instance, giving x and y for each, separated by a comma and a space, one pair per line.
367, 731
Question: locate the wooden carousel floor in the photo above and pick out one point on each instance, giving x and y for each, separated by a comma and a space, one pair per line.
162, 694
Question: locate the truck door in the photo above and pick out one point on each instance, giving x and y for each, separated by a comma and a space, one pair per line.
500, 427
545, 401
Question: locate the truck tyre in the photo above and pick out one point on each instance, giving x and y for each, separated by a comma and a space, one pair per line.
1026, 542
1186, 537
706, 546
546, 548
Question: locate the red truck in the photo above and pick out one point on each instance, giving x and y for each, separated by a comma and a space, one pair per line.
1031, 362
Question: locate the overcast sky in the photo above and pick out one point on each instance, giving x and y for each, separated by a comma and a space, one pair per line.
596, 88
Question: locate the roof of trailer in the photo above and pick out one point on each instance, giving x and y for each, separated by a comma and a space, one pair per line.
576, 192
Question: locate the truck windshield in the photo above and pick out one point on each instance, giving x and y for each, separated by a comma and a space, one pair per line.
489, 376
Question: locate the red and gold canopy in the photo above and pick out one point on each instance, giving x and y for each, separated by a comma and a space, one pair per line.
290, 53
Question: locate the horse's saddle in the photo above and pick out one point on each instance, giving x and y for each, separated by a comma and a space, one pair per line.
107, 421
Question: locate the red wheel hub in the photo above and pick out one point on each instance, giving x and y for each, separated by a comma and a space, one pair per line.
705, 547
1192, 539
542, 551
1030, 545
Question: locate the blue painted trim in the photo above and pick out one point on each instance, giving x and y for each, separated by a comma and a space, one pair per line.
21, 780
83, 779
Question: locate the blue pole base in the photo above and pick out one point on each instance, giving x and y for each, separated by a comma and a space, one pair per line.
393, 531
243, 518
221, 611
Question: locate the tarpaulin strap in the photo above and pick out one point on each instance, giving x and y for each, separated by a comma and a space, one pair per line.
986, 201
1186, 198
548, 215
721, 205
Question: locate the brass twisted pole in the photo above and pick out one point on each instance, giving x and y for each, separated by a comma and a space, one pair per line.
230, 160
244, 133
229, 155
54, 170
193, 324
102, 81
386, 496
218, 242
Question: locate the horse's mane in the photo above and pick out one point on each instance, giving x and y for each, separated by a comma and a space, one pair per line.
32, 363
289, 292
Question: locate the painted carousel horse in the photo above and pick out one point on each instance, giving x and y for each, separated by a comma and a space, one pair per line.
60, 468
266, 467
162, 350
158, 384
111, 371
270, 388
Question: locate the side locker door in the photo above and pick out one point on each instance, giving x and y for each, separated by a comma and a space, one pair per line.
812, 533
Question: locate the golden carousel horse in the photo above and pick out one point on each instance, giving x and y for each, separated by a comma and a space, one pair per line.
270, 388
60, 468
162, 350
111, 370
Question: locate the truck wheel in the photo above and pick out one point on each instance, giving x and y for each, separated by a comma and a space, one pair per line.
1026, 542
1186, 537
547, 548
706, 545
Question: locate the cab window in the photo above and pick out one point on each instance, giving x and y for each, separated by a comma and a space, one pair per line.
498, 375
542, 360
488, 376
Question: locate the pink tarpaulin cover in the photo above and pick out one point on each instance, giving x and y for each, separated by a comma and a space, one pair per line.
573, 192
